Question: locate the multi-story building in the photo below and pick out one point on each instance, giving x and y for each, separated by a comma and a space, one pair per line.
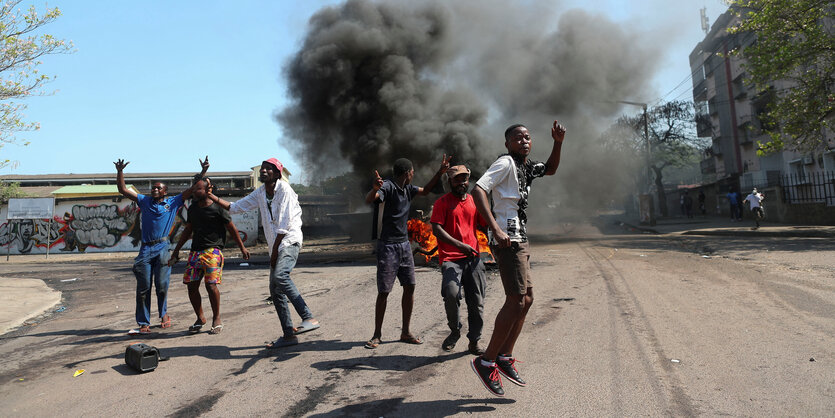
728, 111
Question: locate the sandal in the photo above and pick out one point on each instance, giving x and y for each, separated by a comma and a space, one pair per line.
283, 342
373, 343
196, 327
166, 322
410, 339
306, 326
216, 329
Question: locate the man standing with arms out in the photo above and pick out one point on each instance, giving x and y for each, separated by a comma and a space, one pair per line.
509, 179
151, 264
281, 217
454, 221
755, 203
208, 224
394, 255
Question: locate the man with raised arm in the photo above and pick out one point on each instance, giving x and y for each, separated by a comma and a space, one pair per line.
509, 181
207, 226
394, 254
281, 217
157, 213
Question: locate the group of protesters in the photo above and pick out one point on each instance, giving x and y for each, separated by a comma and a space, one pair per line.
455, 218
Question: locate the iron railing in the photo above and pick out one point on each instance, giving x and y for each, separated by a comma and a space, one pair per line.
816, 187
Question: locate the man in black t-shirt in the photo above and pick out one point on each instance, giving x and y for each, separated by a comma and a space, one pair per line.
206, 226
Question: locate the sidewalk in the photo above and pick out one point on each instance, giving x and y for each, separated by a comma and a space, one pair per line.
714, 225
23, 299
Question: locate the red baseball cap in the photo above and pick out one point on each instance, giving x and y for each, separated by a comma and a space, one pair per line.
277, 164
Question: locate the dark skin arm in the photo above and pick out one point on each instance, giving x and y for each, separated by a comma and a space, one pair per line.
558, 133
443, 236
205, 166
483, 207
230, 227
120, 180
184, 236
373, 194
423, 191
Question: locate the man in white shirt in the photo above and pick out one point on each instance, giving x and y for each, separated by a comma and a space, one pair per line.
281, 217
754, 200
509, 179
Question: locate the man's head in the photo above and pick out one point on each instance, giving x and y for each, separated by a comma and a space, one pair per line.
26, 228
158, 190
459, 180
270, 170
403, 170
754, 191
201, 191
518, 141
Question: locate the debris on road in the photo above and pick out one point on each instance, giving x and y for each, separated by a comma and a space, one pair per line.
61, 309
78, 372
70, 280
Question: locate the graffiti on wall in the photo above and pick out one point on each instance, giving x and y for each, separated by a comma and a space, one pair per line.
100, 226
25, 234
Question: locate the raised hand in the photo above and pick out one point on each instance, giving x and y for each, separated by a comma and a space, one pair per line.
121, 164
558, 132
204, 164
444, 164
378, 181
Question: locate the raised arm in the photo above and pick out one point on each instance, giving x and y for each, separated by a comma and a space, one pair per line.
483, 207
558, 133
234, 231
205, 167
423, 191
374, 194
120, 180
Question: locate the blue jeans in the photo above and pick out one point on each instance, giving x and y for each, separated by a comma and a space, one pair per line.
151, 264
282, 288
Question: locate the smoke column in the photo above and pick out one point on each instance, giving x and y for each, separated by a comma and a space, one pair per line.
373, 82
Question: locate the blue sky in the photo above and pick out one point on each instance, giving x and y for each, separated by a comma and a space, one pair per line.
162, 83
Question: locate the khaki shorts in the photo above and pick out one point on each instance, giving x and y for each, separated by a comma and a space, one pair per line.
514, 267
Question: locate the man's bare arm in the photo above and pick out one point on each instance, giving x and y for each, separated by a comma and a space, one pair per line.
423, 191
205, 167
558, 134
234, 231
120, 180
483, 207
445, 237
374, 194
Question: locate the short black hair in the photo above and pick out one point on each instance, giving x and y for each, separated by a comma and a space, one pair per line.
402, 166
509, 130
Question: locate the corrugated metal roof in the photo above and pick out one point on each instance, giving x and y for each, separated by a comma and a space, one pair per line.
91, 189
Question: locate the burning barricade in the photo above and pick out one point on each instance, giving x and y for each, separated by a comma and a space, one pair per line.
421, 233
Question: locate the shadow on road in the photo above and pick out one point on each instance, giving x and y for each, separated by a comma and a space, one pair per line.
440, 408
398, 363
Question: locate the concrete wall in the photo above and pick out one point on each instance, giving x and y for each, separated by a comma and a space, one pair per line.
94, 225
796, 213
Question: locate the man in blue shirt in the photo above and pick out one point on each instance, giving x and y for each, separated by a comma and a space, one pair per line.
151, 264
394, 255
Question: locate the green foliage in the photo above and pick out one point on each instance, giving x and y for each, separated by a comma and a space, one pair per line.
10, 190
795, 43
20, 51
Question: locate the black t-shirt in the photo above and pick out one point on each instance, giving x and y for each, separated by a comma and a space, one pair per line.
208, 226
396, 212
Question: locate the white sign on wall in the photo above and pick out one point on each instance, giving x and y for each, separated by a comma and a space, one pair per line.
31, 208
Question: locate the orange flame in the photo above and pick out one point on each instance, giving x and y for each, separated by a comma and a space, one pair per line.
421, 233
483, 246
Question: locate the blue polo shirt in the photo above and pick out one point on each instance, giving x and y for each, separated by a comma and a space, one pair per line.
157, 218
396, 211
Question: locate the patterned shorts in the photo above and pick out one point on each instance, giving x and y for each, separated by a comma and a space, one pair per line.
206, 264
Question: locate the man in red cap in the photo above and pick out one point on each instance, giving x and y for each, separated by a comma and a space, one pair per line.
454, 222
281, 217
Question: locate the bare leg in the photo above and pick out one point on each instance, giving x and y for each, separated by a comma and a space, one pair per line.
214, 300
506, 320
408, 302
507, 347
196, 303
379, 314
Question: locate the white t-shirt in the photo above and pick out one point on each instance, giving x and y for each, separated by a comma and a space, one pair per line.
282, 216
501, 179
754, 199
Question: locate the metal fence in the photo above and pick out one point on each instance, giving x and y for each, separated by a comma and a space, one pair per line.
809, 188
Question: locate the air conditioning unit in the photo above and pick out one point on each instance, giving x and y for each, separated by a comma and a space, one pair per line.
807, 159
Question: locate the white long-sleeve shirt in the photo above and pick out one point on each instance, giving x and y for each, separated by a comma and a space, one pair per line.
282, 216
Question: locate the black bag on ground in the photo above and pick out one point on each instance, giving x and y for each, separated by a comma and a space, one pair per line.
142, 357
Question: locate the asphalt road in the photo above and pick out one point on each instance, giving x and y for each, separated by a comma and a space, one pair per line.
622, 325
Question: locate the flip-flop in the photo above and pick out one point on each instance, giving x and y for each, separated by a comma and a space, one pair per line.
195, 328
216, 329
373, 343
166, 322
142, 330
282, 342
410, 339
306, 326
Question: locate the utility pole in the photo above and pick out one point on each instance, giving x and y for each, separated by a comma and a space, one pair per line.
647, 156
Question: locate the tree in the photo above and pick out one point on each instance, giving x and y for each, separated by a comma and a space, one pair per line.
795, 43
20, 51
671, 127
10, 190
